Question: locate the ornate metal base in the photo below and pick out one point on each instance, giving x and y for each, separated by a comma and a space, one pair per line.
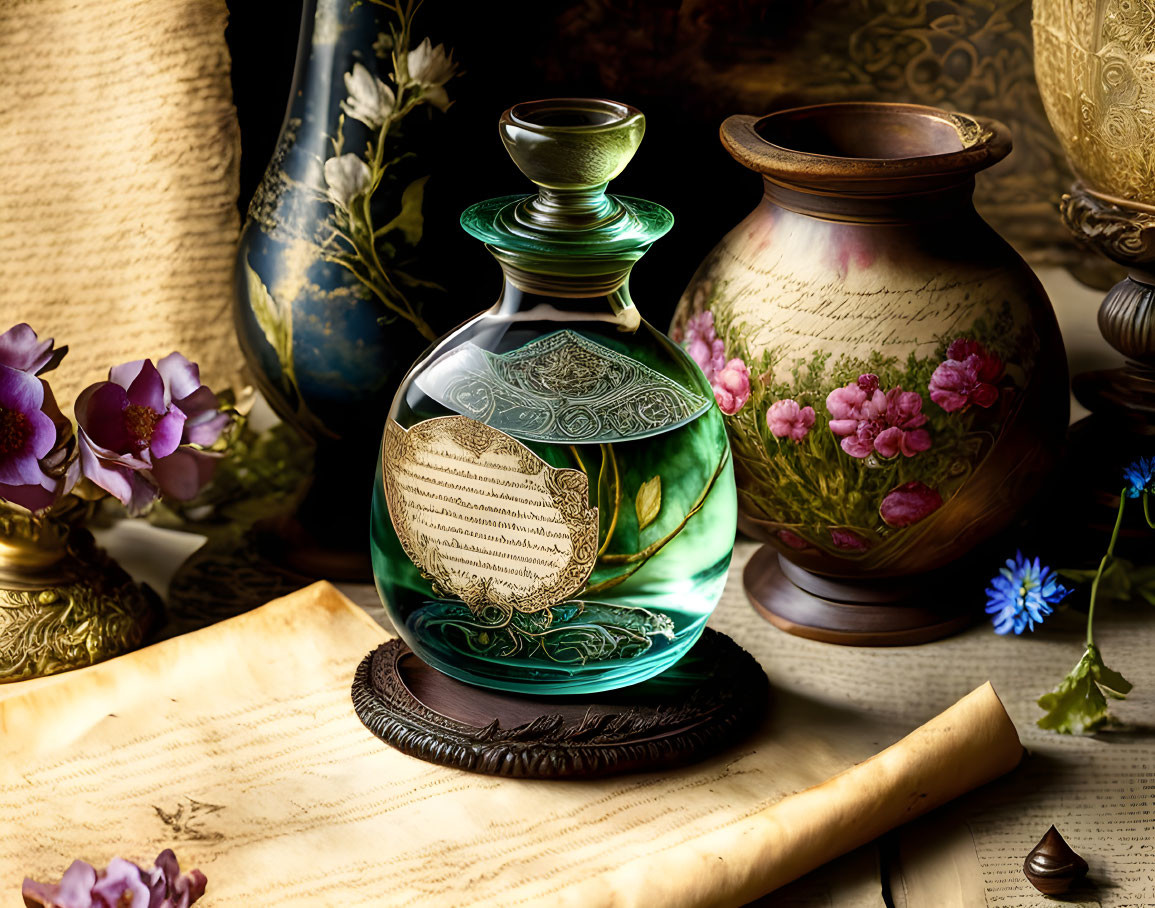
81, 610
1124, 231
870, 613
705, 702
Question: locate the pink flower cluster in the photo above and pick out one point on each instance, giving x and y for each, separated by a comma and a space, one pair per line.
868, 419
787, 420
730, 379
966, 377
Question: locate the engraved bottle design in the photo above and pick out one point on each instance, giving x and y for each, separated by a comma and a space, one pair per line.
554, 509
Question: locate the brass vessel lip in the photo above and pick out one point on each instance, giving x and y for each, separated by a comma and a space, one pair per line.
745, 137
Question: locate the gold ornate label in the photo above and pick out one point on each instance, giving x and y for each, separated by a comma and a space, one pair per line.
486, 519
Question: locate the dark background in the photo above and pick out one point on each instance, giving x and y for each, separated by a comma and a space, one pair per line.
512, 52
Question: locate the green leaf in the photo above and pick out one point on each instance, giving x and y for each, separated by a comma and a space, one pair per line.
1117, 583
1078, 705
649, 502
275, 321
410, 221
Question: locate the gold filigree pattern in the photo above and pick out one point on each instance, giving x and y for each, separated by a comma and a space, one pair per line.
1096, 71
88, 611
467, 500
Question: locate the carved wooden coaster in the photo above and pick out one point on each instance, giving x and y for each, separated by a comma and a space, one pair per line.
710, 699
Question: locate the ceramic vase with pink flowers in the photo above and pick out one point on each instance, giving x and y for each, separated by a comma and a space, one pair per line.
891, 372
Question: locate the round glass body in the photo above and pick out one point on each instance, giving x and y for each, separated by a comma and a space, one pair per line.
613, 409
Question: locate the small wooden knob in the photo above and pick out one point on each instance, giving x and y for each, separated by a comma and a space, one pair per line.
1052, 866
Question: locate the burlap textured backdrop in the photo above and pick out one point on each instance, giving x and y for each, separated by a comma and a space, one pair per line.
119, 156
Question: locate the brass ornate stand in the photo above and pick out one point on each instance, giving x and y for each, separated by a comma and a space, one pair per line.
1123, 231
63, 602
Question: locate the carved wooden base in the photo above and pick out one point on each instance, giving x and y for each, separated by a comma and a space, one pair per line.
702, 704
81, 610
871, 613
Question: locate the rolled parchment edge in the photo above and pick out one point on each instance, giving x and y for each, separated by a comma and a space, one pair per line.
967, 745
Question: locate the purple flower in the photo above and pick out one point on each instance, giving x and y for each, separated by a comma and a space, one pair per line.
866, 419
732, 387
136, 428
170, 888
787, 420
966, 377
73, 891
27, 437
123, 883
908, 504
21, 349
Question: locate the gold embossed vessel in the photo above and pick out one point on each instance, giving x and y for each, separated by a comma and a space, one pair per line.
554, 508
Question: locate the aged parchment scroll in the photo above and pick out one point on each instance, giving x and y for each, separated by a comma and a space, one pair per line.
238, 746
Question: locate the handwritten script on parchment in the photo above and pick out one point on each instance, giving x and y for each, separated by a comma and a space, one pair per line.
237, 745
487, 518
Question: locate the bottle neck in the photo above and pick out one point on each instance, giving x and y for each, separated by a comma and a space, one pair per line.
598, 297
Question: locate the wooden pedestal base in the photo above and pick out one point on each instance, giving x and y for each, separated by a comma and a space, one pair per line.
703, 703
873, 613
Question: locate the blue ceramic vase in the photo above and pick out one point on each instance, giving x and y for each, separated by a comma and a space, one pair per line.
329, 302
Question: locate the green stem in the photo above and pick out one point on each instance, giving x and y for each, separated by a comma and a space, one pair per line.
608, 454
637, 559
1107, 558
1147, 511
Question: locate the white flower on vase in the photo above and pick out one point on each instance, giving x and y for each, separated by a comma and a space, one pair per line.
431, 67
370, 100
347, 177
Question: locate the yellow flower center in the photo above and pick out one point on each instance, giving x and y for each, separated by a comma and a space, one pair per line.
140, 422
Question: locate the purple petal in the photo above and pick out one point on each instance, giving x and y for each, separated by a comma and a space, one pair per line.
206, 429
74, 891
121, 879
184, 473
20, 391
147, 389
125, 374
181, 377
202, 400
100, 412
20, 349
114, 478
166, 434
21, 469
32, 497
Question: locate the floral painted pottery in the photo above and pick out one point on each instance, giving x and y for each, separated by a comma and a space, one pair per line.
554, 508
890, 371
328, 308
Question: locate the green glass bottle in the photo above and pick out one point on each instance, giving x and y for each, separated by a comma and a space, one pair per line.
554, 508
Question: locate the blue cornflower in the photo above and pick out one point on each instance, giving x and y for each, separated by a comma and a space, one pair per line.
1021, 595
1139, 476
